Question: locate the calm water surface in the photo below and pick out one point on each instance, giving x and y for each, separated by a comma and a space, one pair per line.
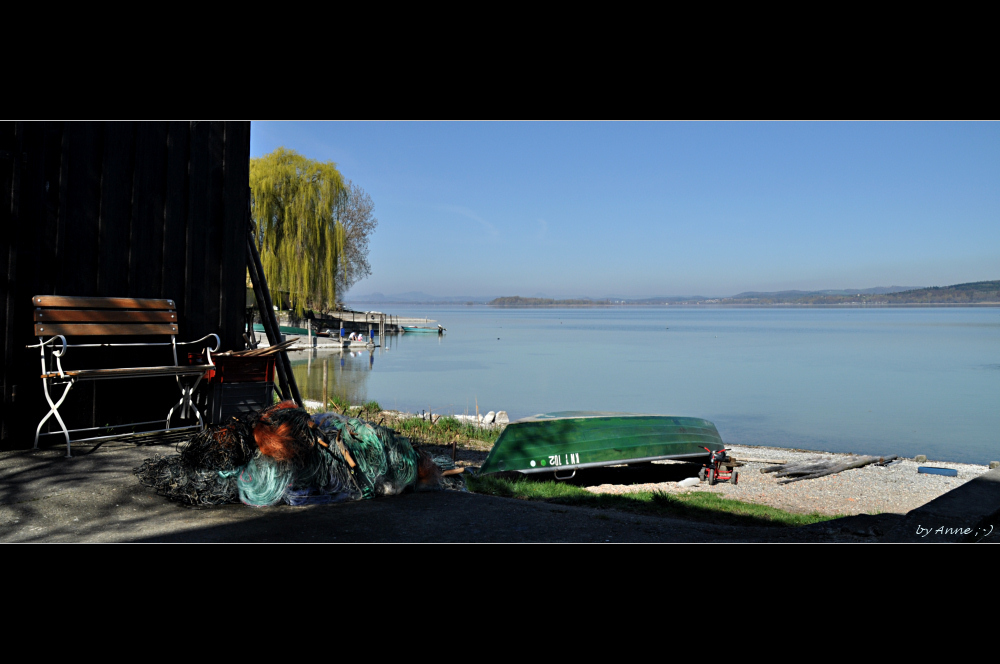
885, 381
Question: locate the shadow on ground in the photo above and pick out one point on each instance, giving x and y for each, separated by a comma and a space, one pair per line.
643, 473
94, 497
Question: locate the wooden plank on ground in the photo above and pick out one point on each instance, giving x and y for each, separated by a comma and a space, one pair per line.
111, 329
103, 316
81, 302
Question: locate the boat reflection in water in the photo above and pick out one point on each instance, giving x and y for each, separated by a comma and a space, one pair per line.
349, 371
346, 373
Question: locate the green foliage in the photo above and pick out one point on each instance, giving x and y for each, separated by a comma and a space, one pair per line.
697, 505
449, 424
339, 403
370, 409
301, 241
447, 430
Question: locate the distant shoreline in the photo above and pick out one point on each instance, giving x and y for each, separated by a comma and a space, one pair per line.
915, 305
973, 294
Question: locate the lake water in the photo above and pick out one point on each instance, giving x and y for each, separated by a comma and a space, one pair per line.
882, 381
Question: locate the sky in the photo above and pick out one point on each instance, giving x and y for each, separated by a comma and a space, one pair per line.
647, 209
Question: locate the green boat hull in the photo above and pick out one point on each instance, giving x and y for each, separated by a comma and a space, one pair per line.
573, 440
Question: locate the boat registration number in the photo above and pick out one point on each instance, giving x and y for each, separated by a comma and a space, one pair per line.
564, 460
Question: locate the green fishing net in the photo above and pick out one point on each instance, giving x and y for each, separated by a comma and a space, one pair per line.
321, 459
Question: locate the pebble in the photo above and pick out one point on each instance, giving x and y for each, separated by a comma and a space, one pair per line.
868, 490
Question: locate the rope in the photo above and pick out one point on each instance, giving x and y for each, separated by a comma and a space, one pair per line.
281, 454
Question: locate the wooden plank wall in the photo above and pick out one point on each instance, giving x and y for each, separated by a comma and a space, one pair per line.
132, 209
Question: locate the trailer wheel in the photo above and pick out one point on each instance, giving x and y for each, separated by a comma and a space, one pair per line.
701, 475
736, 478
711, 477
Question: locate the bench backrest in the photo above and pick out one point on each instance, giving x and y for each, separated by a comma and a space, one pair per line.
120, 316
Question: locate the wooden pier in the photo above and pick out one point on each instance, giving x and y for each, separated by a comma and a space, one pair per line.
365, 322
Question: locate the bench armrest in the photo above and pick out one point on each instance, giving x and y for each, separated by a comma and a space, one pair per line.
218, 342
57, 353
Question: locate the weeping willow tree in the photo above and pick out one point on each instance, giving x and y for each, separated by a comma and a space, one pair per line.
294, 202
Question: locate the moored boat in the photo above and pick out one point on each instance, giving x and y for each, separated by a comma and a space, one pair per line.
570, 440
415, 328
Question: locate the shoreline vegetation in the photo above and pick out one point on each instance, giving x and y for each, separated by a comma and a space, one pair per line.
980, 293
474, 443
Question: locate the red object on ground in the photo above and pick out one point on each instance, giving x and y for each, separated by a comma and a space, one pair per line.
718, 468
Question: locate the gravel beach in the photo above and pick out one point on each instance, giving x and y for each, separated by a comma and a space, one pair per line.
895, 489
868, 490
872, 489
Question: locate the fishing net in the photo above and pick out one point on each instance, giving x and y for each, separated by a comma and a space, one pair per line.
455, 482
172, 478
223, 448
281, 454
385, 464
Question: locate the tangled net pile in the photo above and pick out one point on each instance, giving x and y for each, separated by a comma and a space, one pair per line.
281, 454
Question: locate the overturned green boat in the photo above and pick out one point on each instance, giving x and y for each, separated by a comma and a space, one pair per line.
567, 441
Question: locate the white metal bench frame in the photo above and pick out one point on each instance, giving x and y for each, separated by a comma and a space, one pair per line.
53, 375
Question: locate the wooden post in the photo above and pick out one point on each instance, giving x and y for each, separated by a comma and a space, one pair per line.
289, 390
326, 400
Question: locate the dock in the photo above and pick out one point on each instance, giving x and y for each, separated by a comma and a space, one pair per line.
365, 322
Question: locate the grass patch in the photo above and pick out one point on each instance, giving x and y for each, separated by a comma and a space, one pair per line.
338, 404
695, 506
446, 431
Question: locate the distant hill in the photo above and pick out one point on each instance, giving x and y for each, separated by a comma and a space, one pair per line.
518, 301
971, 293
792, 294
417, 297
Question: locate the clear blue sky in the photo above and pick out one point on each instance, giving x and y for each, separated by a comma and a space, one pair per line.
647, 209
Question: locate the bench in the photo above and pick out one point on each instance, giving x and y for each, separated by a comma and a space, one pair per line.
58, 317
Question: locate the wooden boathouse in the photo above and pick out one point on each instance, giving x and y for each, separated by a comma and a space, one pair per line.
118, 209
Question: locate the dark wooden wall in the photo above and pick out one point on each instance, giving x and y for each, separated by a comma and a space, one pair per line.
137, 209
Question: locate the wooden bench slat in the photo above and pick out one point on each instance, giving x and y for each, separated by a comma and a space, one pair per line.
103, 316
193, 370
101, 302
120, 329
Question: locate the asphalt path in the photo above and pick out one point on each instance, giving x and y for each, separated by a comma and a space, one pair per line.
94, 497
